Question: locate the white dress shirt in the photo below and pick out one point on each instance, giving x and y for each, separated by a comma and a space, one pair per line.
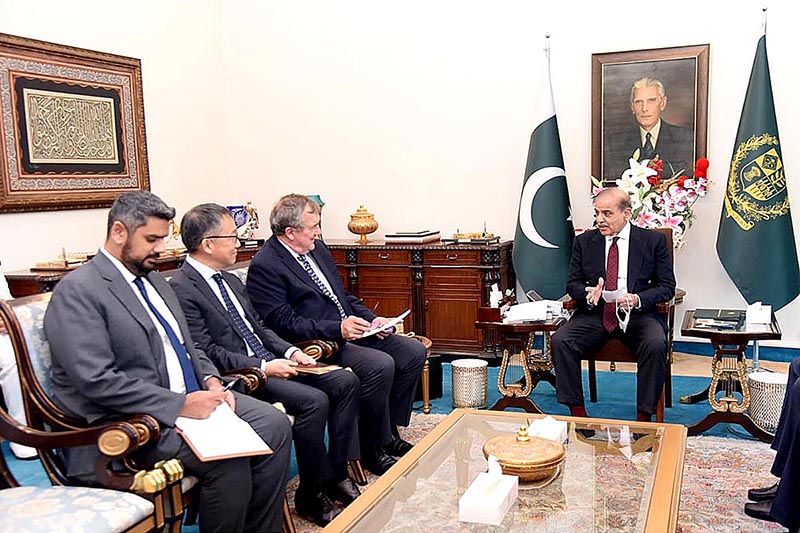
174, 371
623, 245
207, 272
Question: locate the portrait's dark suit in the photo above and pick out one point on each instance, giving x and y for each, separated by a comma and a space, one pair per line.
787, 459
312, 399
675, 147
650, 277
108, 359
292, 305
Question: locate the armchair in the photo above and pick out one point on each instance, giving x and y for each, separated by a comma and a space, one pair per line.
614, 351
130, 498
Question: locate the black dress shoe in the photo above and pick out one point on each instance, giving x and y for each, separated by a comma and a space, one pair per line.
763, 494
314, 505
378, 462
398, 447
344, 491
759, 510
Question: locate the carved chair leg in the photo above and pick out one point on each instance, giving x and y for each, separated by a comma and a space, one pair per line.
288, 523
357, 472
426, 387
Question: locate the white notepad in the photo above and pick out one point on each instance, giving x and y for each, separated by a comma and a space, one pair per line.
221, 436
390, 324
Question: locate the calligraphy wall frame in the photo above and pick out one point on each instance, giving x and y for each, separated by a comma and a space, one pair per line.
72, 134
683, 71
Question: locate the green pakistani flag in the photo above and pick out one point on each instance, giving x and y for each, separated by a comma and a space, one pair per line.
543, 239
755, 242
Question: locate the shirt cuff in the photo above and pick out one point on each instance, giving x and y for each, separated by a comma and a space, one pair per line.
290, 352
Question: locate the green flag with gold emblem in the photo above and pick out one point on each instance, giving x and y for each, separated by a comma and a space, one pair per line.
755, 242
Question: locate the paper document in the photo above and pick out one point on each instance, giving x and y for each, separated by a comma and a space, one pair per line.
390, 324
527, 312
221, 436
317, 369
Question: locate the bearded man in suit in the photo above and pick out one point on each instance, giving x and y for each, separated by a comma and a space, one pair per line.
637, 264
294, 284
225, 326
120, 345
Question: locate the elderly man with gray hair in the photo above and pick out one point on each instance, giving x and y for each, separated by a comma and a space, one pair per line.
651, 135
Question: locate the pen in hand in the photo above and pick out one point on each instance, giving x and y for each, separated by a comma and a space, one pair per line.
228, 386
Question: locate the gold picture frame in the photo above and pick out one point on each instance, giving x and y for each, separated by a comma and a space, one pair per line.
73, 133
683, 72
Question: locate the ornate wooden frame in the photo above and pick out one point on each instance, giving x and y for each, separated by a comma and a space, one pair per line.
72, 134
684, 72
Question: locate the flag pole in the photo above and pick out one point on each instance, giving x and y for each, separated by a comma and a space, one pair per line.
764, 20
755, 342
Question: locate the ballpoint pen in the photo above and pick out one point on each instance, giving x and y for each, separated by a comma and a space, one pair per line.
228, 386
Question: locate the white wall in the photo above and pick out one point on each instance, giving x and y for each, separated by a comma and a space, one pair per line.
418, 109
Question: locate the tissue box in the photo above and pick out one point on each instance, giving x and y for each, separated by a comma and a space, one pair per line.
487, 504
549, 428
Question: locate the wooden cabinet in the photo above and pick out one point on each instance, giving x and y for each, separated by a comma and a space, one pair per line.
443, 285
27, 282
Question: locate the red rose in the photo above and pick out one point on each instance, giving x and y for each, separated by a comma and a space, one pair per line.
702, 164
681, 181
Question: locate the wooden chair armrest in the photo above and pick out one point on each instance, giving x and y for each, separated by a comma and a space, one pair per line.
253, 378
570, 305
318, 349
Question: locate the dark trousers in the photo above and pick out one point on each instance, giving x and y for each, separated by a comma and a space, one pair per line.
389, 370
787, 460
584, 333
245, 494
315, 400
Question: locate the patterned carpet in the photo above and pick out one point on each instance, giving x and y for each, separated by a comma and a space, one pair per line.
717, 473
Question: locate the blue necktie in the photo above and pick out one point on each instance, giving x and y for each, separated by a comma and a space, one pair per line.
248, 336
304, 261
189, 379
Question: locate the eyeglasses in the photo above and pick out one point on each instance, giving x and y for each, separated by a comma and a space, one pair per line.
221, 237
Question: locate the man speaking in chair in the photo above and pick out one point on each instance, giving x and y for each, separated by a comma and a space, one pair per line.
225, 326
295, 286
120, 345
617, 276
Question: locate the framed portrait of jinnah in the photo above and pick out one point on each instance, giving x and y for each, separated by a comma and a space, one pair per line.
647, 104
72, 134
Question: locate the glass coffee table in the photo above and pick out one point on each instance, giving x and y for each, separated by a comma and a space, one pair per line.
618, 476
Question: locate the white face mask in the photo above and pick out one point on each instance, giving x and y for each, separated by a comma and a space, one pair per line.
623, 315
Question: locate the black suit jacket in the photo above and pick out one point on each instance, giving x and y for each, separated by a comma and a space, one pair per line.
650, 274
675, 147
289, 301
212, 327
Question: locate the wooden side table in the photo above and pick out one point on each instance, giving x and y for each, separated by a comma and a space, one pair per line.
515, 338
728, 375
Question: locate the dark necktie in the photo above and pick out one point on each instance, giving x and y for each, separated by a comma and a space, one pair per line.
248, 336
612, 273
648, 151
189, 379
306, 265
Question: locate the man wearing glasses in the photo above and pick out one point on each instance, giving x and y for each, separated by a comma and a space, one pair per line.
225, 326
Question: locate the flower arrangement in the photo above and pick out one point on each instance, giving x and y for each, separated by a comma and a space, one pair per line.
657, 202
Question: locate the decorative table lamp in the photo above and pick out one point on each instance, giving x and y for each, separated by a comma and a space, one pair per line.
362, 223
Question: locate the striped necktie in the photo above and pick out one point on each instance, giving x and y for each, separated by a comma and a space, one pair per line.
248, 336
327, 292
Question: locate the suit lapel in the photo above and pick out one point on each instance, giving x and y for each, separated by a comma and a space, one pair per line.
123, 291
291, 263
203, 288
598, 253
635, 255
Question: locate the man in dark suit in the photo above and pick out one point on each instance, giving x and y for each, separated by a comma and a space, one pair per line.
225, 326
636, 263
120, 345
778, 503
295, 286
651, 136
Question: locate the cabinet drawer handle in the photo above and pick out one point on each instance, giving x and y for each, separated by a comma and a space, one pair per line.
452, 257
383, 256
